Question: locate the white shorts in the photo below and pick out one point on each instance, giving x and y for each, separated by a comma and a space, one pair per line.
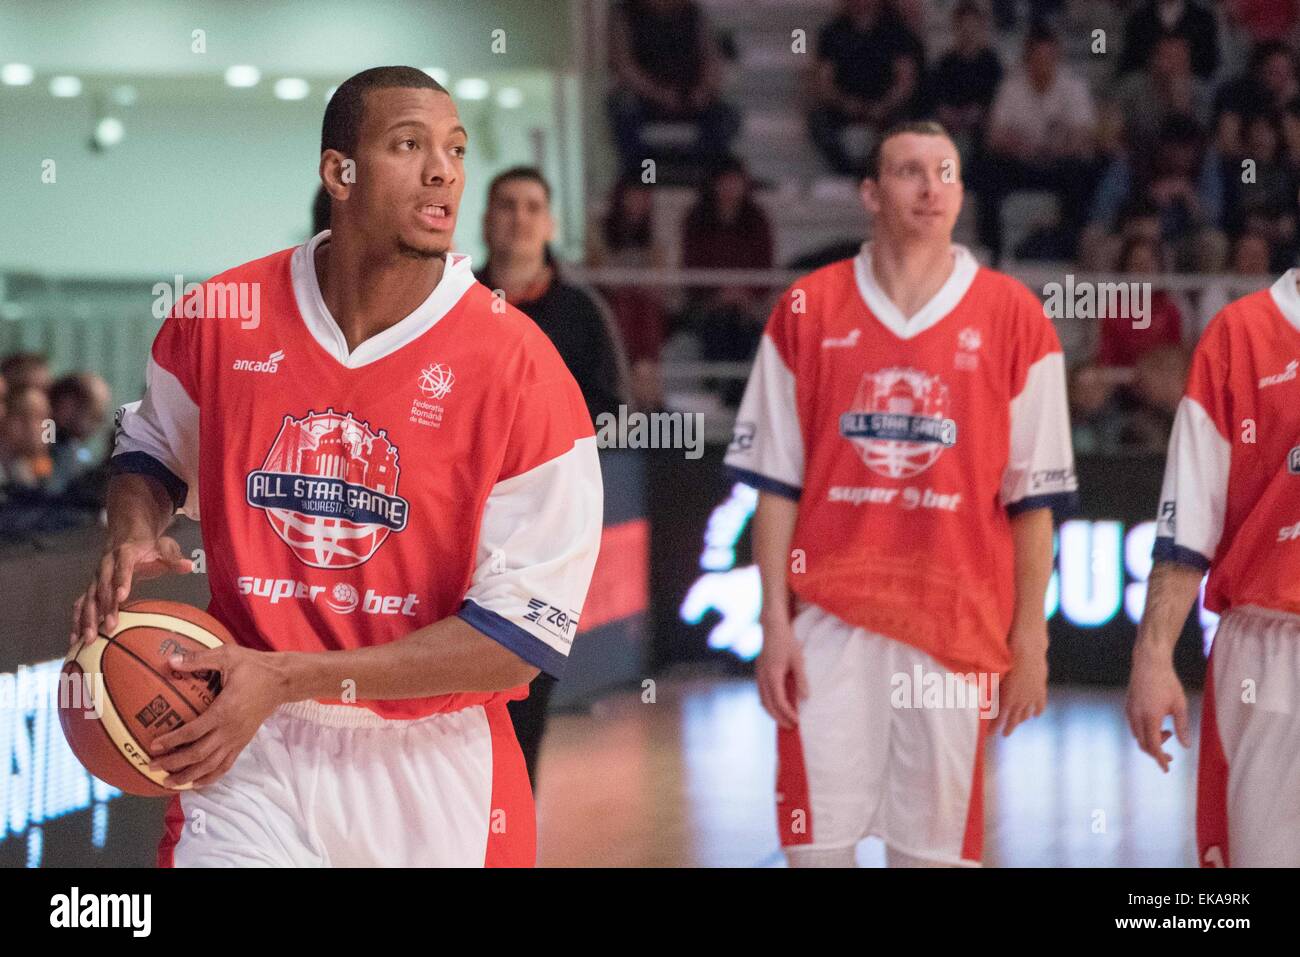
334, 786
861, 763
1248, 779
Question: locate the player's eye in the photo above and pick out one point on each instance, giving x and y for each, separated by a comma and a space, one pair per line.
413, 143
459, 151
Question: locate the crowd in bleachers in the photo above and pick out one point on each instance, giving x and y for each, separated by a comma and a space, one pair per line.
1161, 148
53, 473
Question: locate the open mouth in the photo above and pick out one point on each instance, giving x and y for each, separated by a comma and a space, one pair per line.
435, 214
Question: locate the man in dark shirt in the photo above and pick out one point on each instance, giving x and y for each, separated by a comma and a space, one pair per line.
869, 70
666, 66
518, 228
1187, 18
964, 81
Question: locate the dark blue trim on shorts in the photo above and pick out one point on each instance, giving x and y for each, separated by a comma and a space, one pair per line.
763, 483
142, 463
505, 632
1166, 550
1062, 504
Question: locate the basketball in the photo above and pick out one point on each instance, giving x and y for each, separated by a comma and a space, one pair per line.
118, 693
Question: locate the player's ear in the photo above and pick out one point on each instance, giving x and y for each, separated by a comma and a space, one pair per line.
869, 192
337, 173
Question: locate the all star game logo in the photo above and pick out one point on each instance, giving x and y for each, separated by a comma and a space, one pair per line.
899, 421
329, 489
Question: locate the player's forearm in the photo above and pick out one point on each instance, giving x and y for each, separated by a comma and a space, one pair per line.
1031, 535
139, 508
1171, 591
774, 522
446, 657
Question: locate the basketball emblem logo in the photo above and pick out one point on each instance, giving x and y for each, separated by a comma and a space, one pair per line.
899, 421
436, 381
329, 489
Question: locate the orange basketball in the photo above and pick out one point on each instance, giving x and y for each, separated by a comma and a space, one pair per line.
118, 693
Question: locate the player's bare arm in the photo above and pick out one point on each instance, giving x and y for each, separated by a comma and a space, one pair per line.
781, 678
139, 511
1023, 692
1154, 691
443, 658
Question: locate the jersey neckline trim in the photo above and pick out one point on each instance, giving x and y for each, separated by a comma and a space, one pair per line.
944, 301
1287, 297
456, 280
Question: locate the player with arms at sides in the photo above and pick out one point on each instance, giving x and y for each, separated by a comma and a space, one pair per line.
1229, 505
401, 506
905, 425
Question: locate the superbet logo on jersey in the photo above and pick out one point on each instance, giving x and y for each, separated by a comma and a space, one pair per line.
329, 489
899, 421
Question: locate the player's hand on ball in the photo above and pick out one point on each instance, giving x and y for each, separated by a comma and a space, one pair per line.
1154, 692
1022, 694
782, 682
121, 564
201, 751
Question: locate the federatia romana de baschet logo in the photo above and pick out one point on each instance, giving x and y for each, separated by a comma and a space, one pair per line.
899, 421
329, 489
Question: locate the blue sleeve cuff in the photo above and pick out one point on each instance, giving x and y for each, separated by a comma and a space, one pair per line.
763, 483
1062, 504
505, 632
142, 463
1166, 550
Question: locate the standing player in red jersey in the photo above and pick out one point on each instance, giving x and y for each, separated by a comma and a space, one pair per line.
906, 427
401, 505
1229, 505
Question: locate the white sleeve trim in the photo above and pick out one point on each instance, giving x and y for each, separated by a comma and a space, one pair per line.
165, 426
538, 543
1040, 461
767, 443
1194, 496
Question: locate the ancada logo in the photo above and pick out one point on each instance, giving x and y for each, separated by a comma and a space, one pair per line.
329, 489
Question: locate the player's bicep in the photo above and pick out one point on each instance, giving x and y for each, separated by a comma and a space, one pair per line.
538, 541
1040, 464
158, 436
767, 449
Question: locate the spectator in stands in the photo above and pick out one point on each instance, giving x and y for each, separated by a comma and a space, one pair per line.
79, 404
4, 395
1096, 416
963, 83
1185, 18
667, 67
518, 229
1144, 100
26, 370
1121, 342
1264, 20
1251, 256
1042, 136
1271, 189
625, 238
1006, 13
25, 433
1268, 87
727, 229
1159, 378
1177, 182
867, 71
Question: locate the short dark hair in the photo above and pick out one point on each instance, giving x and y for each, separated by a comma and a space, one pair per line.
75, 385
1040, 32
529, 174
346, 108
923, 127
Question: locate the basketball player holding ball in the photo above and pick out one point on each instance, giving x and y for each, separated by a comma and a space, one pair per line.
905, 425
401, 506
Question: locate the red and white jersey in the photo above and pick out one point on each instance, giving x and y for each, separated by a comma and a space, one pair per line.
1231, 495
908, 443
447, 465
